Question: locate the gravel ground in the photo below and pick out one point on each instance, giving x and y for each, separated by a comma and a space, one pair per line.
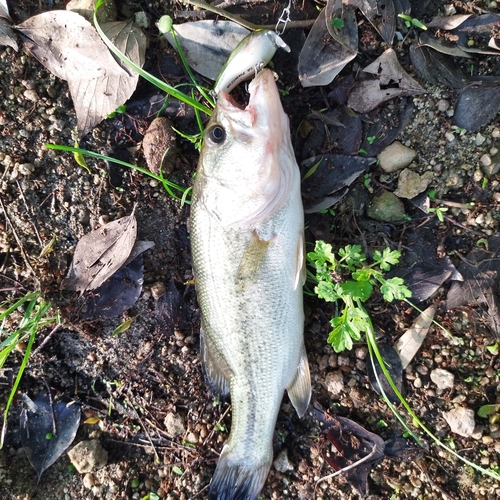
161, 428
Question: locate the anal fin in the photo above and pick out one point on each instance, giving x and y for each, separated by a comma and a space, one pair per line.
299, 391
214, 374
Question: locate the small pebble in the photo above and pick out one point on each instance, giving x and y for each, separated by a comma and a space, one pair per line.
443, 105
395, 157
461, 421
282, 462
88, 480
174, 424
87, 456
334, 382
479, 139
443, 378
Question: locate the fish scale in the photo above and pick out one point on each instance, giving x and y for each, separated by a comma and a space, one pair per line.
248, 258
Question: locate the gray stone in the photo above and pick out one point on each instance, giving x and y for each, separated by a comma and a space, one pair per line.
334, 382
490, 165
282, 463
88, 456
461, 421
395, 157
386, 207
411, 184
443, 378
174, 424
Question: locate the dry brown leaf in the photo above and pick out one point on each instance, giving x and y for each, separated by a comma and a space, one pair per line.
100, 253
411, 341
392, 81
322, 58
448, 22
70, 48
207, 44
4, 9
6, 34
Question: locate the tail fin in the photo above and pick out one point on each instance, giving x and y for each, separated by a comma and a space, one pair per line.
237, 481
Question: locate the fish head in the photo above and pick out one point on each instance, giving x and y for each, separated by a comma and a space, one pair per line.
247, 165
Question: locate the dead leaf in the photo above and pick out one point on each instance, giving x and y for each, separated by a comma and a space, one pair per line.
392, 81
47, 428
382, 15
100, 253
332, 174
322, 58
70, 48
442, 45
410, 342
478, 103
352, 443
4, 9
481, 272
448, 22
493, 43
7, 35
207, 44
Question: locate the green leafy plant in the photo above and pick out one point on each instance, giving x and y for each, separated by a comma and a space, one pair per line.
336, 22
439, 211
35, 315
353, 319
411, 21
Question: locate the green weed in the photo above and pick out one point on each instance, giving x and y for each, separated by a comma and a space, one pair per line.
355, 320
35, 315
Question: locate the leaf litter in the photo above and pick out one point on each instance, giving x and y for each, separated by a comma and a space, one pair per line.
47, 429
70, 48
481, 274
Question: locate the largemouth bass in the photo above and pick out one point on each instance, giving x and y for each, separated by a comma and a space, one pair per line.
248, 256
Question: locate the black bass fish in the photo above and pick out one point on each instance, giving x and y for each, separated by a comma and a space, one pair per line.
247, 238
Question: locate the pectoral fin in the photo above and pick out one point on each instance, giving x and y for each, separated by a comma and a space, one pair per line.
300, 262
214, 374
299, 391
252, 260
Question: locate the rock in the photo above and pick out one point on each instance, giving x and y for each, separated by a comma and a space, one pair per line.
490, 164
159, 146
88, 480
461, 421
282, 463
88, 456
334, 382
174, 424
395, 157
411, 184
158, 290
443, 378
386, 207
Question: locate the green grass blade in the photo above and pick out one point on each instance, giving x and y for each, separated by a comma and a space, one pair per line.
168, 185
147, 76
16, 384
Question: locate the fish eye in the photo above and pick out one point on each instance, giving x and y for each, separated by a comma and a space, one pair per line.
217, 134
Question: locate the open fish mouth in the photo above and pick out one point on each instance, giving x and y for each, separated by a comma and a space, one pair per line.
262, 91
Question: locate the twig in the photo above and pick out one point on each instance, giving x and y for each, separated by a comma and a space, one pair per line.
210, 435
46, 339
247, 24
30, 213
345, 469
19, 243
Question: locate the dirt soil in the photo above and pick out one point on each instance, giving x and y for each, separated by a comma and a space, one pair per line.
144, 387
